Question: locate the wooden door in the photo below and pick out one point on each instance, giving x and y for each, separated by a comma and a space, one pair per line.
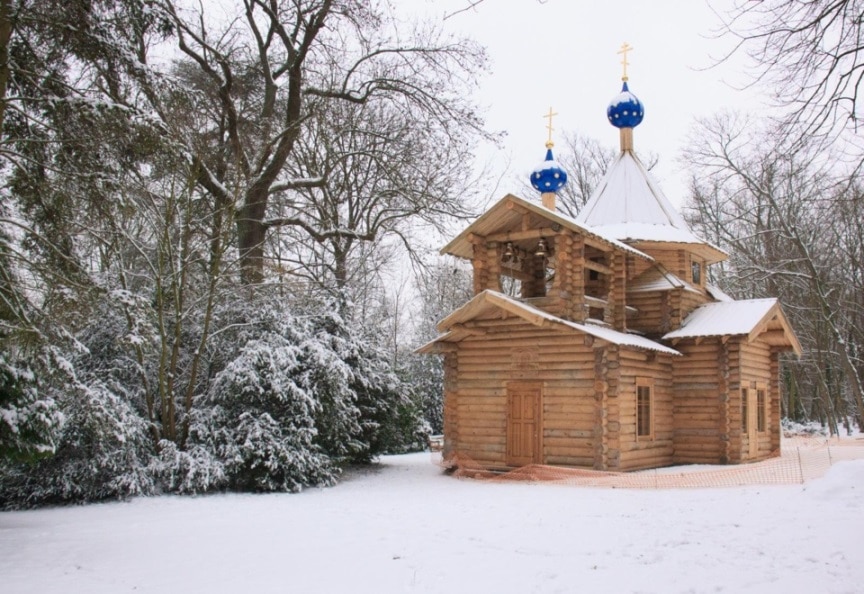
752, 424
523, 424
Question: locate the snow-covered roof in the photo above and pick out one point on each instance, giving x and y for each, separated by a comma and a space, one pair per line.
750, 317
629, 194
487, 301
717, 293
657, 278
630, 206
506, 215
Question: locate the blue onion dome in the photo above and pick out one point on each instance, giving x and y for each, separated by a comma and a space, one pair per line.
625, 110
548, 176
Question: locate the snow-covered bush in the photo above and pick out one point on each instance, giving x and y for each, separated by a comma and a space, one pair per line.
195, 469
101, 453
288, 393
426, 375
28, 419
385, 418
258, 418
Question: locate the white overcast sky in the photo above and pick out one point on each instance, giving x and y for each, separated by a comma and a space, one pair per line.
562, 53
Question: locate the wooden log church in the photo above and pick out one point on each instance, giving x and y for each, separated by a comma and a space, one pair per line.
597, 341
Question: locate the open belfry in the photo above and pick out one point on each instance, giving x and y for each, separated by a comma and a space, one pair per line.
596, 341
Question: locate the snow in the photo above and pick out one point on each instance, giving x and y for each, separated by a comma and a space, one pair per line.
623, 97
655, 279
493, 299
728, 318
628, 194
717, 293
501, 214
404, 526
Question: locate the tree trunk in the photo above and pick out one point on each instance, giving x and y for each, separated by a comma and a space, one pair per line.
5, 37
251, 233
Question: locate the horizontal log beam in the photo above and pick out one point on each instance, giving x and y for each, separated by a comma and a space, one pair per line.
521, 235
597, 267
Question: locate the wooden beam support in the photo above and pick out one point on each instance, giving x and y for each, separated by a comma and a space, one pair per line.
521, 235
475, 239
471, 331
597, 244
595, 301
775, 338
597, 267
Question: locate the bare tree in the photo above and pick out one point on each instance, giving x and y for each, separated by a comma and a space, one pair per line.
785, 217
387, 176
268, 69
808, 55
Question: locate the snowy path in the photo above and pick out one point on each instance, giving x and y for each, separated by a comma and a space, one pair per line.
405, 527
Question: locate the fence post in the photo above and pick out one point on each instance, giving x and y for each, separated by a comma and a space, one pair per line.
800, 467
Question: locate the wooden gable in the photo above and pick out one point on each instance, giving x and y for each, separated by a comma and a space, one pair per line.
489, 305
515, 219
755, 319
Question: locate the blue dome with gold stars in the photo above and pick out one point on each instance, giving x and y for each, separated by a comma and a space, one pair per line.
625, 110
549, 176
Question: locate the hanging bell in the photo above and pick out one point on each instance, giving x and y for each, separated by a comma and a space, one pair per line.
541, 249
508, 252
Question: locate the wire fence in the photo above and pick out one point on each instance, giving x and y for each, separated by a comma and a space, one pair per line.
801, 459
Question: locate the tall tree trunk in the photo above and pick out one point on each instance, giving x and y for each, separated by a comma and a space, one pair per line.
5, 37
251, 233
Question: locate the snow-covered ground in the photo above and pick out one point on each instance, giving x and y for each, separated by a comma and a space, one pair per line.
404, 526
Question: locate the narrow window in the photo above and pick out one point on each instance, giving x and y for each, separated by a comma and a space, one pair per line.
744, 410
643, 411
696, 272
760, 410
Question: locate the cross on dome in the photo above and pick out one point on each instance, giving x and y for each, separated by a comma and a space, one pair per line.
625, 111
625, 47
549, 116
548, 177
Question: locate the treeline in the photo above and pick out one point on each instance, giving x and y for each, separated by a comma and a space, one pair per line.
197, 209
792, 220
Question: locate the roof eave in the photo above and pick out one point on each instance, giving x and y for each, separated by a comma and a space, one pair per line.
459, 246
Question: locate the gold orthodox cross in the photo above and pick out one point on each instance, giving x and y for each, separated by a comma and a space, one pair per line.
625, 47
549, 116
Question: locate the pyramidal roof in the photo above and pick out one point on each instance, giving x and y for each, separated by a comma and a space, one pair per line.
630, 206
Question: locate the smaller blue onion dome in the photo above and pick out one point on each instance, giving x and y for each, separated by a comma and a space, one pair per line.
625, 110
548, 176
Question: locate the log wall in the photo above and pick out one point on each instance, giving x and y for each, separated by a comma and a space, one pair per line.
515, 351
644, 452
654, 310
588, 398
451, 399
616, 299
698, 402
757, 360
689, 302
